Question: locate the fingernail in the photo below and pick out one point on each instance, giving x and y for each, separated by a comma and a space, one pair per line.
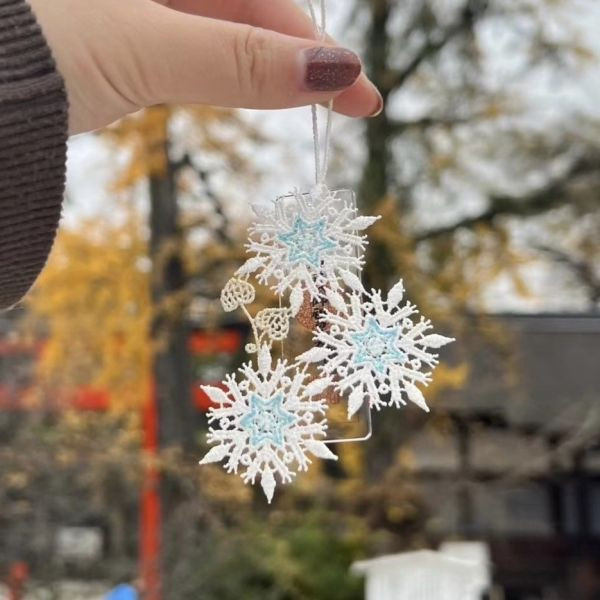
330, 69
379, 106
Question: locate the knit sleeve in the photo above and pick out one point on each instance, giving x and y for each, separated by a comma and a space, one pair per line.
33, 136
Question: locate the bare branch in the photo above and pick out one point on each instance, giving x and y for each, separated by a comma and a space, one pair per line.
182, 163
582, 269
552, 195
472, 11
187, 162
398, 125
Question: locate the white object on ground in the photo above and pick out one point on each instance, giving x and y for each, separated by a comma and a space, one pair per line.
421, 575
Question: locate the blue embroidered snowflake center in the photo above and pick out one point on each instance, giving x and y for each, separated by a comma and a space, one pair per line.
377, 346
267, 421
307, 242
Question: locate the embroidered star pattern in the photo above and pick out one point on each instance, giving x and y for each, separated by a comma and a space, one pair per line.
304, 243
307, 241
267, 421
378, 346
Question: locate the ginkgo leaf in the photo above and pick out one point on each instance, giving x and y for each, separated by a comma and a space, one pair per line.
235, 293
275, 322
216, 395
414, 395
320, 450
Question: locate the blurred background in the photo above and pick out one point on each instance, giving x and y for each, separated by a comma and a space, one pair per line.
486, 169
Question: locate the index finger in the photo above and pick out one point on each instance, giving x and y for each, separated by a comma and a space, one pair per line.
284, 16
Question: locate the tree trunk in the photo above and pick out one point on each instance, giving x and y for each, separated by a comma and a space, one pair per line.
172, 373
374, 186
170, 329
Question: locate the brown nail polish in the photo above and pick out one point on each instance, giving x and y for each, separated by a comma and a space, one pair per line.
330, 69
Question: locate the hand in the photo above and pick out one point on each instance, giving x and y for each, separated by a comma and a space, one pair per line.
118, 56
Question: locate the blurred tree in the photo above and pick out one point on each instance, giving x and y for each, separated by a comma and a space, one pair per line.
466, 151
175, 268
92, 306
483, 175
76, 470
297, 558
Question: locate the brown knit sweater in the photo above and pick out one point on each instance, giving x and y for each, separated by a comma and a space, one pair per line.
33, 135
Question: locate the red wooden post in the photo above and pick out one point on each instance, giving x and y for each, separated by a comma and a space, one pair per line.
150, 506
19, 572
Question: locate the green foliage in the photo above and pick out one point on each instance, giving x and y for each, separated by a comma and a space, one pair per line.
288, 556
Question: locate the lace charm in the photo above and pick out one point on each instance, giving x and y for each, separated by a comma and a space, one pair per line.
268, 422
270, 418
374, 350
368, 351
307, 242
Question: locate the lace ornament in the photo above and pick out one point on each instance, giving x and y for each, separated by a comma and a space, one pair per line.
269, 419
268, 422
307, 243
374, 350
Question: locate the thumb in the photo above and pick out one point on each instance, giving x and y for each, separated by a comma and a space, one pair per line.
191, 59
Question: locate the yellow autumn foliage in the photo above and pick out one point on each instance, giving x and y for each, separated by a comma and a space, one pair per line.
146, 134
93, 302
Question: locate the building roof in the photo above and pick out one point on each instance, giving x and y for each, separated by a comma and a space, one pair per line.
542, 371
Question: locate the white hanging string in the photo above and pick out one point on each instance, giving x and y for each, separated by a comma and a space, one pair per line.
321, 164
313, 14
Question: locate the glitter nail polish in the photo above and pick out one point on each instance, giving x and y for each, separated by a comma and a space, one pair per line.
329, 69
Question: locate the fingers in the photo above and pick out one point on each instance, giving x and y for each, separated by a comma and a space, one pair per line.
191, 59
284, 16
363, 99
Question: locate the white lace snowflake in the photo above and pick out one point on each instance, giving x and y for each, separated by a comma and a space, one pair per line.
268, 422
306, 242
374, 349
